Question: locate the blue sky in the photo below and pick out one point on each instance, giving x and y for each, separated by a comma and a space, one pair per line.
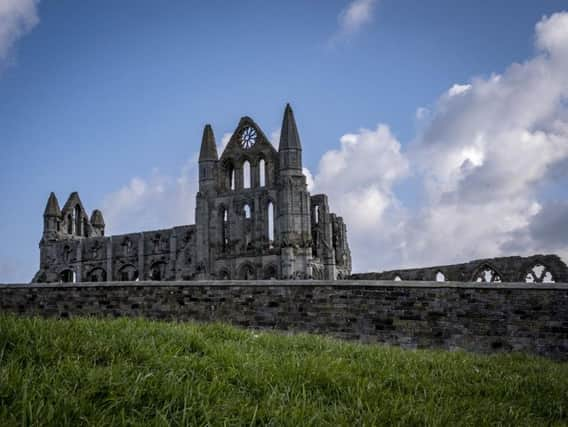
109, 99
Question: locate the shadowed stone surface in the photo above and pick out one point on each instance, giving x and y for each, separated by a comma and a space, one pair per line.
476, 317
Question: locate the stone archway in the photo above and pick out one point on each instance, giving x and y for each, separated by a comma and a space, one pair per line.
247, 272
97, 274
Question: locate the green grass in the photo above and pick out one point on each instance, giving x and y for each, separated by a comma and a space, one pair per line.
141, 372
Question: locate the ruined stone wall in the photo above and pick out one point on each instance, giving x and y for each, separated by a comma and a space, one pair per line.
476, 317
535, 268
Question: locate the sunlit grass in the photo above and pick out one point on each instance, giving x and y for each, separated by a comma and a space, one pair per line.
141, 372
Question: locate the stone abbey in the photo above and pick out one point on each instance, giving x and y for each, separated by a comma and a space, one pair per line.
254, 219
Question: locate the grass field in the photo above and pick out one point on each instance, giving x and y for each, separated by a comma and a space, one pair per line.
140, 372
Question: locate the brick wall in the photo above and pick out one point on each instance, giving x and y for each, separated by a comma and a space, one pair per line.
524, 317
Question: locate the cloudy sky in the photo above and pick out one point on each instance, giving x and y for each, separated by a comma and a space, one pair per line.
438, 129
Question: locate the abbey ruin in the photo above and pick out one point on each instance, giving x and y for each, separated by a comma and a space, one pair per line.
254, 219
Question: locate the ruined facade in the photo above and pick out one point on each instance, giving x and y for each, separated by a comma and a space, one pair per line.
531, 269
254, 219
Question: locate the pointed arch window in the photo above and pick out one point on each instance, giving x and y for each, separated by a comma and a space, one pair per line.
262, 172
246, 174
77, 221
317, 214
225, 229
271, 224
487, 274
539, 274
247, 211
230, 177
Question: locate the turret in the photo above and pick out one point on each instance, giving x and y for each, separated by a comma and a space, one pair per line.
51, 218
290, 149
208, 158
293, 207
98, 222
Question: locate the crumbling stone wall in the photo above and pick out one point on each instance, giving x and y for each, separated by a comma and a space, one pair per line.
536, 268
474, 316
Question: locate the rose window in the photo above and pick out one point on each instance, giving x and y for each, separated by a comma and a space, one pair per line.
248, 137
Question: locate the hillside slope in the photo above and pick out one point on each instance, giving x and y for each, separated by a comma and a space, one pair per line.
141, 372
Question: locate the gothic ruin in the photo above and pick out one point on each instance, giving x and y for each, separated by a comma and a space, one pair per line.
254, 219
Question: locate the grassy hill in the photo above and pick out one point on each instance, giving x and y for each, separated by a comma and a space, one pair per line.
140, 372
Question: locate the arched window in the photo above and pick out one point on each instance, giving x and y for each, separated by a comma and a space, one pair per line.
225, 229
96, 275
440, 277
70, 229
246, 211
157, 271
317, 214
77, 220
271, 222
68, 276
487, 274
231, 177
128, 273
397, 278
539, 274
246, 174
262, 172
247, 272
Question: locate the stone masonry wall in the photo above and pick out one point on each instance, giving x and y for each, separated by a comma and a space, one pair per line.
484, 318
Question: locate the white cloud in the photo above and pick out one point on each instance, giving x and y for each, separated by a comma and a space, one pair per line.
458, 89
17, 17
353, 17
358, 179
487, 150
159, 201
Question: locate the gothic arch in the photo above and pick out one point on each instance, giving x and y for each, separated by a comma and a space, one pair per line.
128, 273
228, 175
157, 271
223, 215
97, 274
247, 271
487, 273
538, 272
262, 170
68, 275
246, 168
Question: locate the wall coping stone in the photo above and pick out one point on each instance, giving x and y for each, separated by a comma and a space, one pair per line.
294, 283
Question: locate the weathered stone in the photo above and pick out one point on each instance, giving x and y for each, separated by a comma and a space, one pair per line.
477, 317
254, 219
